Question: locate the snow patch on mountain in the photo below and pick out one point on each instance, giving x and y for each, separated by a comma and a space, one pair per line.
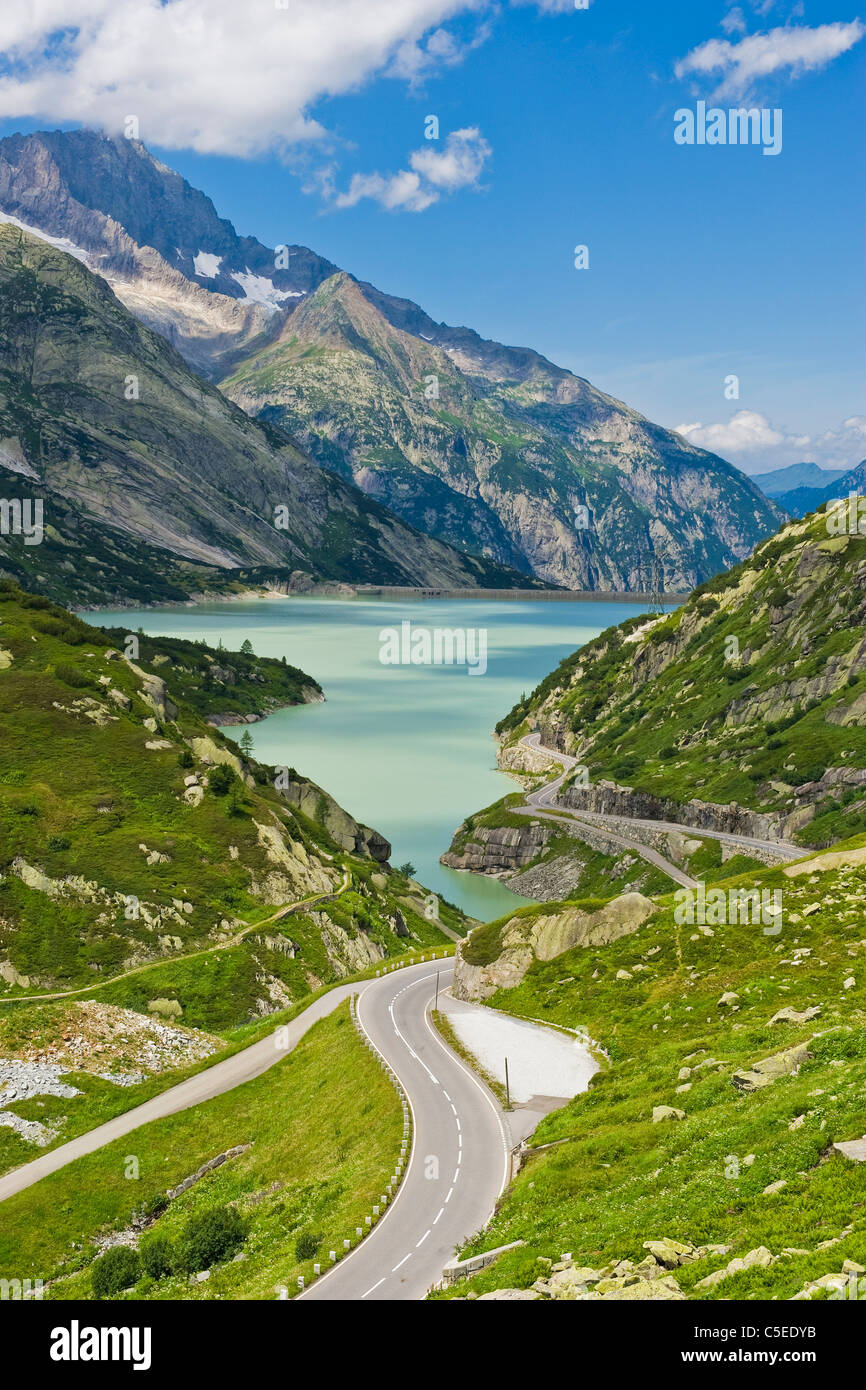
258, 289
61, 242
207, 265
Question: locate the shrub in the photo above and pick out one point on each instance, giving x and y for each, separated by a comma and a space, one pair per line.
58, 842
116, 1270
70, 675
210, 1236
185, 758
221, 779
158, 1256
306, 1246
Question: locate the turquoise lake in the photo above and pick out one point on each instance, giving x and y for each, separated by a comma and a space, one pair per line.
405, 748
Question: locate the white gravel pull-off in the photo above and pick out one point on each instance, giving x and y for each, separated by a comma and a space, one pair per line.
541, 1061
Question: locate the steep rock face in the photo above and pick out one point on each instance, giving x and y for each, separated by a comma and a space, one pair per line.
607, 798
499, 849
492, 448
101, 412
523, 940
159, 242
349, 834
498, 450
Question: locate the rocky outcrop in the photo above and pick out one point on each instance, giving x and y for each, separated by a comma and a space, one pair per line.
497, 850
650, 1279
524, 940
317, 805
609, 799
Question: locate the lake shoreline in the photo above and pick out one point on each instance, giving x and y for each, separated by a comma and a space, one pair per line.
325, 591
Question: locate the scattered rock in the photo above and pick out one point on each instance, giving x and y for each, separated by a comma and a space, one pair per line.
670, 1253
770, 1069
792, 1016
855, 1149
667, 1112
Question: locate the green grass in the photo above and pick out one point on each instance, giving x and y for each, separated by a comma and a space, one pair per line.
619, 1179
325, 1127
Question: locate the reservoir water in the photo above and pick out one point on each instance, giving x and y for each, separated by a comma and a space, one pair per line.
404, 748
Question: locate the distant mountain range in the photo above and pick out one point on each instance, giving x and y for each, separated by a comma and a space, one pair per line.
494, 450
784, 480
810, 487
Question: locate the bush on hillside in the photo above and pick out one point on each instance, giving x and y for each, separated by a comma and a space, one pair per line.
210, 1236
116, 1270
221, 779
157, 1256
306, 1246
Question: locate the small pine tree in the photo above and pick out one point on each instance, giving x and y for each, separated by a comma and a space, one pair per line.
246, 743
247, 647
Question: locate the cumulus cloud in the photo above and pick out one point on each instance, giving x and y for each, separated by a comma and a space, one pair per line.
734, 21
212, 75
458, 165
754, 444
788, 52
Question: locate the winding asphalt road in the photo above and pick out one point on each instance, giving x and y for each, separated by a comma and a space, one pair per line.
459, 1160
546, 797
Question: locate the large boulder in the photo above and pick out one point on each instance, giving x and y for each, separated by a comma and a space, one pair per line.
770, 1069
525, 939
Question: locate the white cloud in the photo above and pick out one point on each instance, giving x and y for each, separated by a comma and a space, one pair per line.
789, 51
415, 61
212, 75
398, 193
458, 165
754, 444
734, 22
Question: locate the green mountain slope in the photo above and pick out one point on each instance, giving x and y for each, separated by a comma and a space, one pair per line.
143, 858
99, 411
744, 710
684, 1135
496, 449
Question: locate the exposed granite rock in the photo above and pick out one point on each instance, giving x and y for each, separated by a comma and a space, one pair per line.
497, 850
524, 940
313, 802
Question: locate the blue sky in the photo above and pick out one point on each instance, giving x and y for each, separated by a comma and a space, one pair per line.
705, 261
